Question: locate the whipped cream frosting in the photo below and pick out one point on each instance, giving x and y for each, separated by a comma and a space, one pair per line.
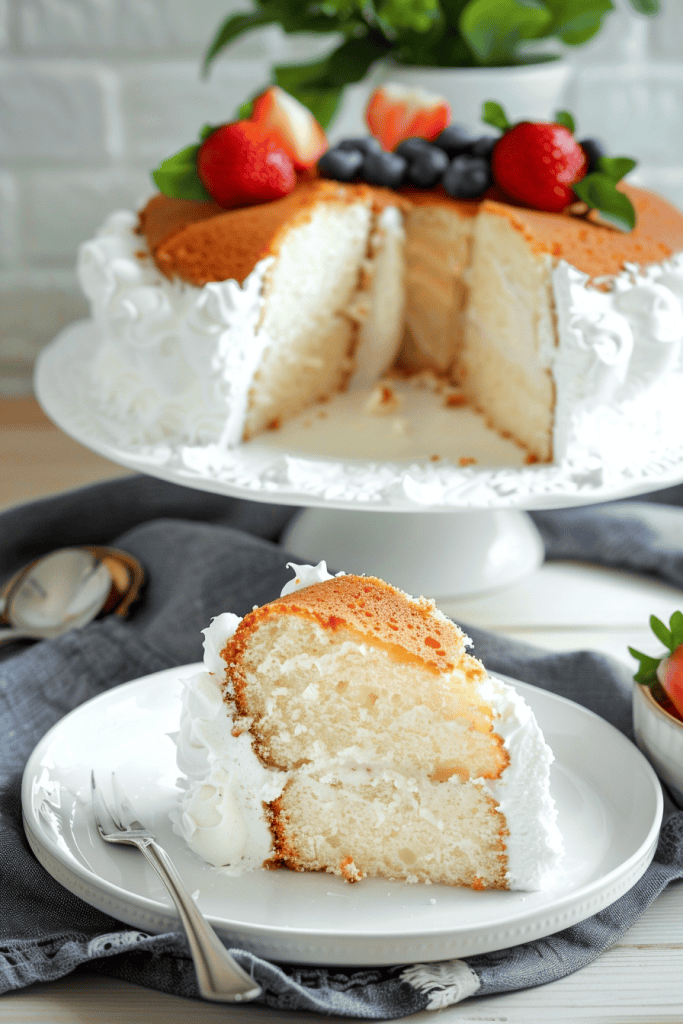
224, 784
171, 375
617, 368
534, 846
175, 362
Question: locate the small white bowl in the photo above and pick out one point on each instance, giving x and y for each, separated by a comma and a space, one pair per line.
660, 737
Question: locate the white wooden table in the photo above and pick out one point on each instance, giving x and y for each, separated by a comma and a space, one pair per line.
563, 607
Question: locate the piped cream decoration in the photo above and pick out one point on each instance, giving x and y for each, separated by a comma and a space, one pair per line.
617, 369
176, 363
172, 373
221, 815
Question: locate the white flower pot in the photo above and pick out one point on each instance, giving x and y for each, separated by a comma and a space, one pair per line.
533, 91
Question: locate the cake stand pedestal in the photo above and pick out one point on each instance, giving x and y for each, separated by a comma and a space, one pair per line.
458, 554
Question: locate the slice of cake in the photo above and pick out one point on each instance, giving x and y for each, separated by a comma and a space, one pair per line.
220, 324
344, 727
561, 313
563, 332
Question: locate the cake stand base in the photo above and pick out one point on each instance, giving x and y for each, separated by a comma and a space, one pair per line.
449, 555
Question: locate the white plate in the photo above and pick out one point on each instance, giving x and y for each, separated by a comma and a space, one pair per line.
348, 457
608, 797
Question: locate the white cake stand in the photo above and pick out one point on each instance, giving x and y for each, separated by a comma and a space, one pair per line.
425, 496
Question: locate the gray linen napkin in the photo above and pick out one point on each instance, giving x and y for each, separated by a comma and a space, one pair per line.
204, 555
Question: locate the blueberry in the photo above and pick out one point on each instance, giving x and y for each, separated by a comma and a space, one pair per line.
467, 177
410, 148
340, 164
454, 139
382, 168
593, 149
364, 143
427, 167
483, 146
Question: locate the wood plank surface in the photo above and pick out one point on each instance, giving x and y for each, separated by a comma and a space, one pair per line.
37, 459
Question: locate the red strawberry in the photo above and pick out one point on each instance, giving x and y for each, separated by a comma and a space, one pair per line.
670, 675
396, 112
537, 164
240, 164
301, 135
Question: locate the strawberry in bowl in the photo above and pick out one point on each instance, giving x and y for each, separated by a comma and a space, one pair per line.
658, 704
666, 672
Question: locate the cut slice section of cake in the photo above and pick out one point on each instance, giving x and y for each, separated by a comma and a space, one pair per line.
438, 254
562, 314
344, 727
243, 317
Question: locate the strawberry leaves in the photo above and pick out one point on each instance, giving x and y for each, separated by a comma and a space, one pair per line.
615, 167
177, 176
599, 192
493, 114
672, 638
597, 189
564, 118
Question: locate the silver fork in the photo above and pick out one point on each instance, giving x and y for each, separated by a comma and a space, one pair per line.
219, 977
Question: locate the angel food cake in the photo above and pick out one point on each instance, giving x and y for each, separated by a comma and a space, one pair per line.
219, 323
344, 728
565, 334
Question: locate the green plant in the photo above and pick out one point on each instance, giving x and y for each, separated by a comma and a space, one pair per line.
436, 33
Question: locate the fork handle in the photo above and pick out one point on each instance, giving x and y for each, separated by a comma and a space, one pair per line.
219, 977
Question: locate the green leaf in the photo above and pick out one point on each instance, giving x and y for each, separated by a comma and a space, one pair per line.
418, 15
660, 631
645, 6
495, 28
351, 61
676, 627
615, 167
177, 176
445, 33
322, 100
243, 112
647, 670
208, 129
577, 21
564, 118
322, 103
319, 85
492, 113
598, 192
233, 27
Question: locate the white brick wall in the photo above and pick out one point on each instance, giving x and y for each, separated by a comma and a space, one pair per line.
93, 93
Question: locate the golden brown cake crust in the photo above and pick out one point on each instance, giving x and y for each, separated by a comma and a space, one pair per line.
377, 613
595, 249
202, 242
